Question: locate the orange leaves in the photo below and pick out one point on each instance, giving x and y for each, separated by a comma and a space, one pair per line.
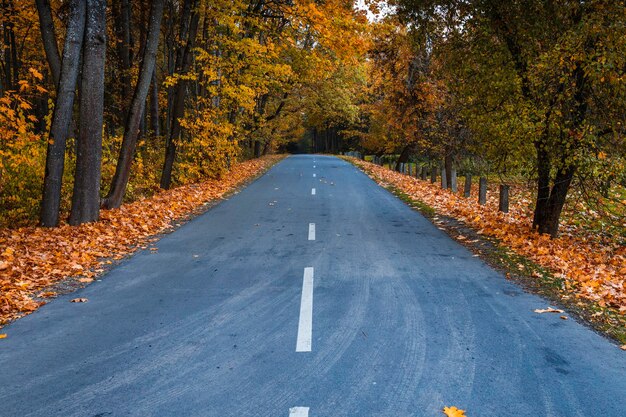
453, 412
3, 335
588, 268
33, 258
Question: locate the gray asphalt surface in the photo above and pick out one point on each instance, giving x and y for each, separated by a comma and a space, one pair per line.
405, 321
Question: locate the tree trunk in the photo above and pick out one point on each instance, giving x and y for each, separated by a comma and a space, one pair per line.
154, 106
122, 12
257, 149
556, 201
137, 108
10, 54
49, 38
62, 117
404, 157
189, 27
550, 203
448, 167
86, 196
543, 185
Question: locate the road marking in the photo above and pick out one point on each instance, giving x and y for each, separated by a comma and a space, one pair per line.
314, 166
314, 175
305, 326
312, 191
311, 231
299, 412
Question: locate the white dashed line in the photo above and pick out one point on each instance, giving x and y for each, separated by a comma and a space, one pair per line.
314, 175
299, 412
311, 231
305, 326
312, 191
314, 166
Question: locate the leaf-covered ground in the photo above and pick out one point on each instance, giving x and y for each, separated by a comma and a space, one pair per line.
591, 267
33, 258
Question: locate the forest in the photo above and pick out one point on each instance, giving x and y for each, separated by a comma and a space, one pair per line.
106, 102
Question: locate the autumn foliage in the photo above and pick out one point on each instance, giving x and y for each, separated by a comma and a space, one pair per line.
34, 258
190, 87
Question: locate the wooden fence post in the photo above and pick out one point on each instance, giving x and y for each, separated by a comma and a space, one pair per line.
444, 180
504, 198
482, 191
467, 190
455, 188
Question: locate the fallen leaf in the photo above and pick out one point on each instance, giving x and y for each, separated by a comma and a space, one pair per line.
623, 347
3, 335
48, 294
548, 310
79, 300
564, 317
85, 280
453, 412
3, 265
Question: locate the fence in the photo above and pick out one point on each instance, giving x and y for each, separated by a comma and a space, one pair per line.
421, 171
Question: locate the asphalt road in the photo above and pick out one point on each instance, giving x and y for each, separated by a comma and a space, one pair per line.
251, 311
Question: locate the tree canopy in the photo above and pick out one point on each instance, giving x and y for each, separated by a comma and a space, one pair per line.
106, 101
